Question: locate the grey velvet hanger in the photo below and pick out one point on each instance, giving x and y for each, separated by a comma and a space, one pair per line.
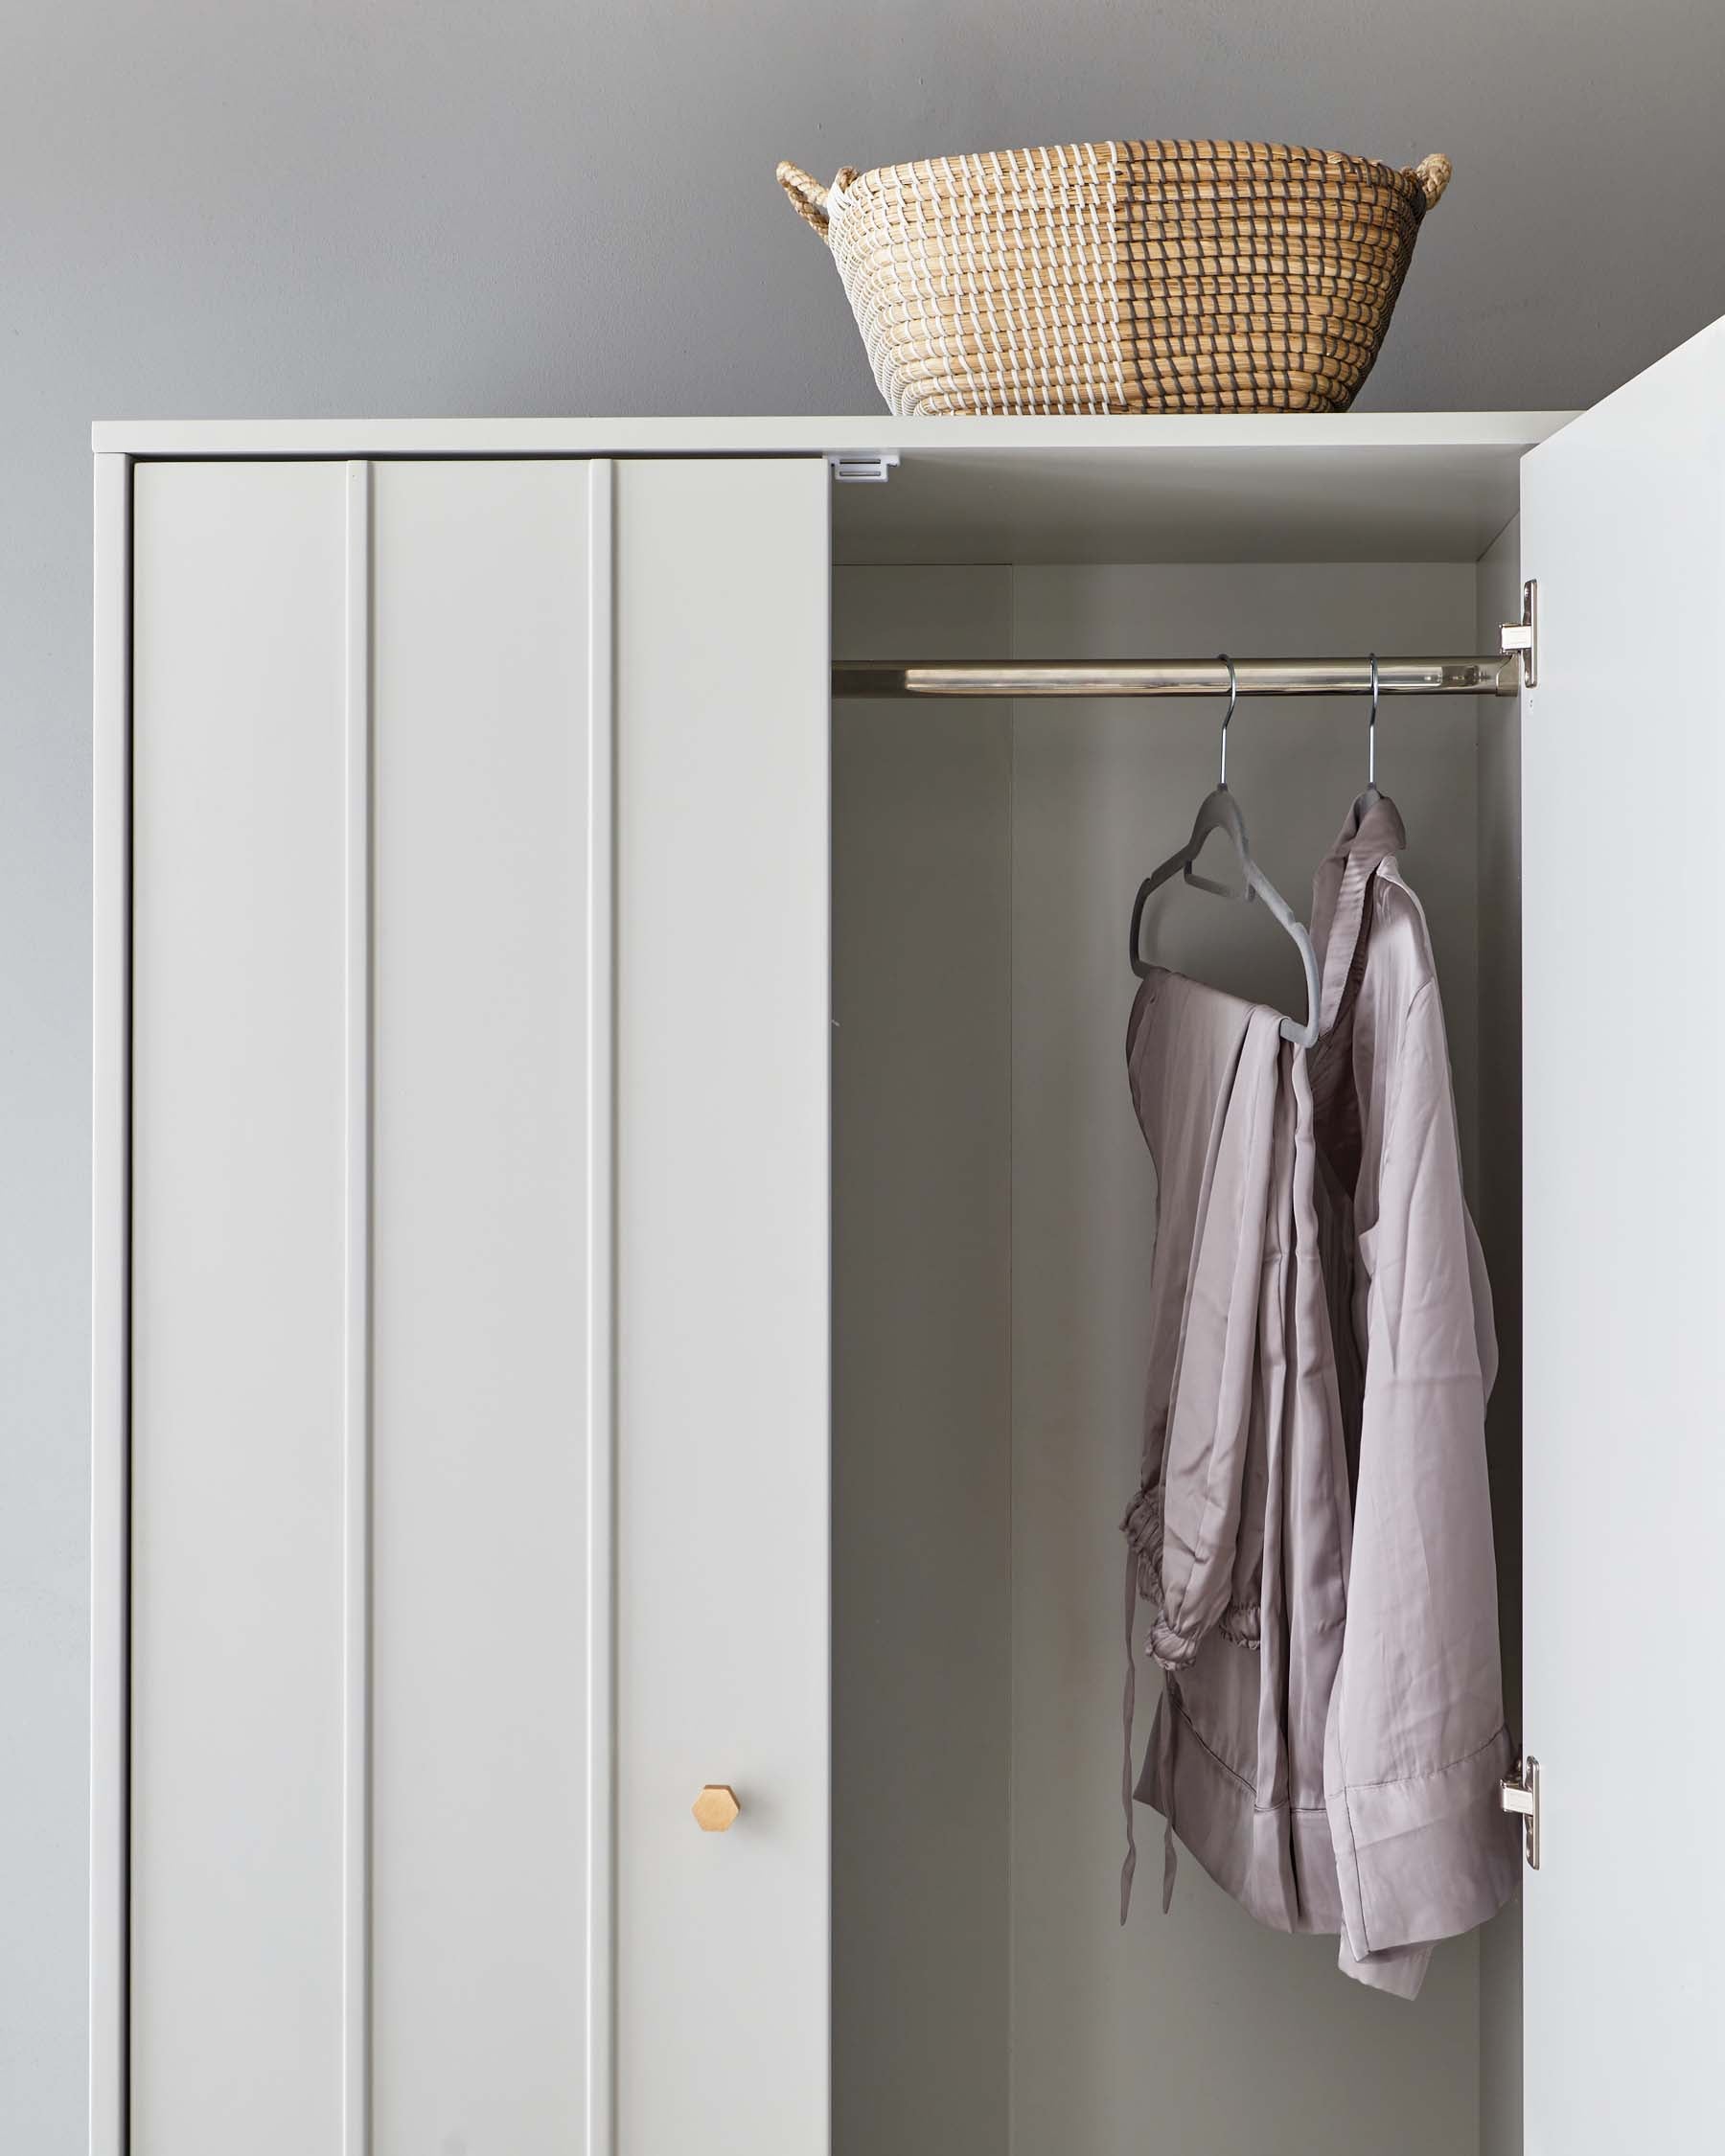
1219, 812
1370, 799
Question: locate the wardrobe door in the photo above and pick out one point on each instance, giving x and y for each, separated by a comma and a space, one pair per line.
1624, 911
723, 723
399, 1881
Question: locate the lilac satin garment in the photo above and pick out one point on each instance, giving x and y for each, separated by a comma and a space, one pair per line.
1222, 1767
1415, 1741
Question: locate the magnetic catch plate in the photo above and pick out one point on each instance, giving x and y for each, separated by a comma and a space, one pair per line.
1522, 636
864, 469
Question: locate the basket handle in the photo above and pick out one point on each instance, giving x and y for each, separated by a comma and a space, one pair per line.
808, 198
1433, 173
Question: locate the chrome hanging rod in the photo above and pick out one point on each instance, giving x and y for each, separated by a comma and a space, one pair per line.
1497, 675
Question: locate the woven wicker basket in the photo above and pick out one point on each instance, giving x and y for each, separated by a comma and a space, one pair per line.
1123, 276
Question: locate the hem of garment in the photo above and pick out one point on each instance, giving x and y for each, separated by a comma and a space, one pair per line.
1426, 1858
1399, 1971
1276, 1860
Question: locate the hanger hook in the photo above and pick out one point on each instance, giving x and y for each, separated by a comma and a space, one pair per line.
1372, 727
1233, 697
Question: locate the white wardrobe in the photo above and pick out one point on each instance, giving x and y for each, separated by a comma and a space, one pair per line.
620, 1257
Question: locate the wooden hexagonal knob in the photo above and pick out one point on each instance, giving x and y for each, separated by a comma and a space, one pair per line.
716, 1807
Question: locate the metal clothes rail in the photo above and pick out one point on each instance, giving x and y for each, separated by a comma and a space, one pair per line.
1499, 675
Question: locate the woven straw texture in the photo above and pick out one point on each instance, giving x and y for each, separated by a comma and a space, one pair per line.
1123, 276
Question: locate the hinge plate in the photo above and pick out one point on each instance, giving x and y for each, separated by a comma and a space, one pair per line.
1522, 636
865, 468
1520, 1795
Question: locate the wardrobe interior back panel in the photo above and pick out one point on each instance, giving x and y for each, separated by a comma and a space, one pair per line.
995, 1217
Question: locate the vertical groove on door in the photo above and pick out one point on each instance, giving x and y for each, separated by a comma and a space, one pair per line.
357, 1330
601, 1869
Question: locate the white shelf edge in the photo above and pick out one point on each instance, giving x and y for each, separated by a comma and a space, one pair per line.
363, 438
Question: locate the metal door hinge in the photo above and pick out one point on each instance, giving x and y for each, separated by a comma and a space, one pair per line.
867, 467
1522, 636
1520, 1795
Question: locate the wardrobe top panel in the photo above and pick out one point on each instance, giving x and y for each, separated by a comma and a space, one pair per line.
1299, 486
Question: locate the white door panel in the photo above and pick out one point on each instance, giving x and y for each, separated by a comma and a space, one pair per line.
721, 667
479, 1384
1623, 947
238, 1237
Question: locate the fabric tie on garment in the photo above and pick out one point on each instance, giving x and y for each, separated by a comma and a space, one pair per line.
1165, 1737
1141, 1528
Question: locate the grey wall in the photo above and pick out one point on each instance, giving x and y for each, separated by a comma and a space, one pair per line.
227, 207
